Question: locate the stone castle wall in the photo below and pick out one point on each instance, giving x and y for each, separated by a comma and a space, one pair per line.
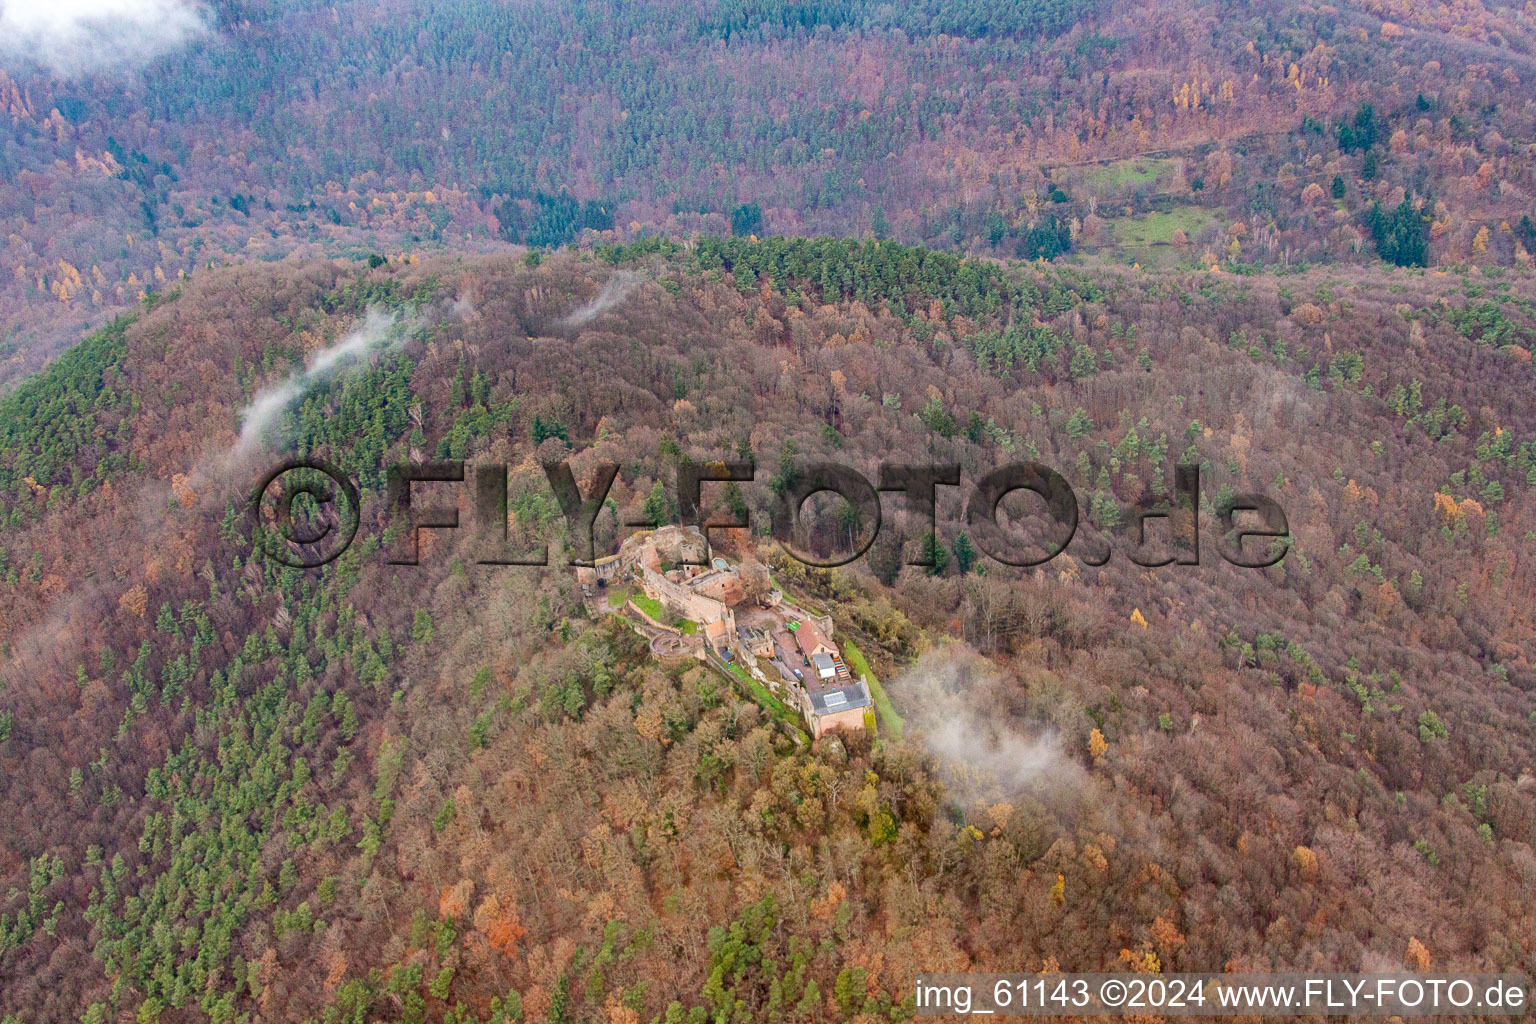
679, 599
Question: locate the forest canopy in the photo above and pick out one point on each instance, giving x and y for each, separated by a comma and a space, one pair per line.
447, 793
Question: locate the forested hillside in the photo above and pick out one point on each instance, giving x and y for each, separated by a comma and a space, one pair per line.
454, 792
1182, 133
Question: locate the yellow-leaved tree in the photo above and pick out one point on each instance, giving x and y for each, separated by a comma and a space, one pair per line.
1097, 744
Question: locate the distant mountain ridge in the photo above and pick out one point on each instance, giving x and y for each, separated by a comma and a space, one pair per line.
1171, 134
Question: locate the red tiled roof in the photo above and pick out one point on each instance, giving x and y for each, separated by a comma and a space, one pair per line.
809, 637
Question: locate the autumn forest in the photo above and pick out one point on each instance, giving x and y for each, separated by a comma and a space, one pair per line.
1286, 243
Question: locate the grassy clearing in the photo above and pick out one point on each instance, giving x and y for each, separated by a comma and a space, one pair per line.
1118, 177
650, 606
890, 721
1158, 228
1148, 238
617, 596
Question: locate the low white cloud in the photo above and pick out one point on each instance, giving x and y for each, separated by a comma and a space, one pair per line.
956, 706
81, 36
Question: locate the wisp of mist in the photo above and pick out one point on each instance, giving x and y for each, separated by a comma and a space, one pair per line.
957, 710
377, 332
614, 291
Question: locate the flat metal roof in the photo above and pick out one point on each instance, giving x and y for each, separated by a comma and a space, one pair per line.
827, 702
